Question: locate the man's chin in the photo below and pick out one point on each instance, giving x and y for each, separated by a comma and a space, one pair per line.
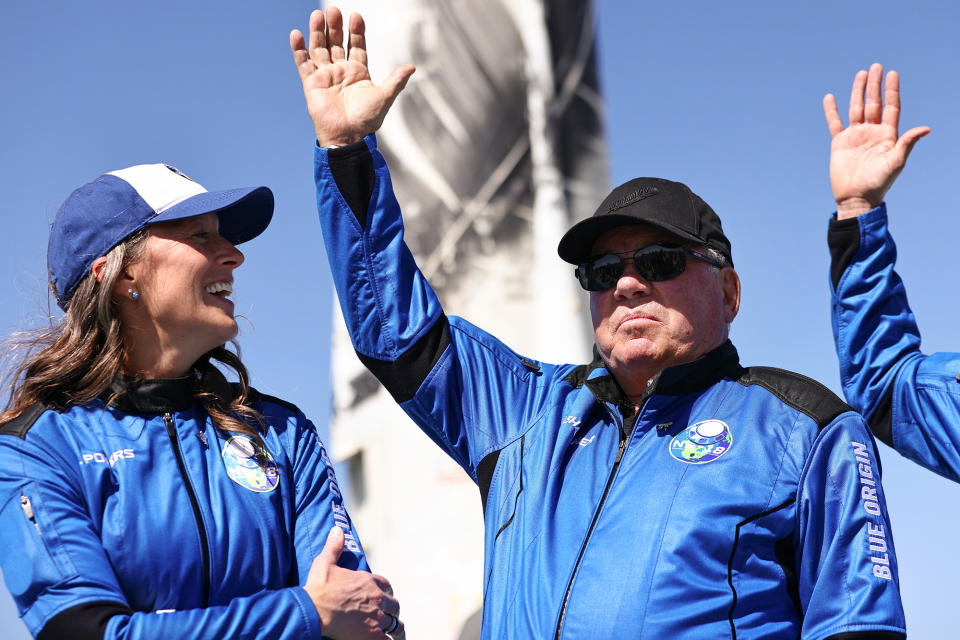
638, 355
638, 351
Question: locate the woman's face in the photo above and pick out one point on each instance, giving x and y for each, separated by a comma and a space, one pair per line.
183, 277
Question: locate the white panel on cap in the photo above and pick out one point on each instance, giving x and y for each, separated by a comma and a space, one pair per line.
158, 185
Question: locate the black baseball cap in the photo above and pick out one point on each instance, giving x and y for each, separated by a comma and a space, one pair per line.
669, 205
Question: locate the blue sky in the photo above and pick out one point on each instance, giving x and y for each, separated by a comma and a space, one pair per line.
722, 96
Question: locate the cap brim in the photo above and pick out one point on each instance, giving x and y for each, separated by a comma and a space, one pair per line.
244, 213
576, 245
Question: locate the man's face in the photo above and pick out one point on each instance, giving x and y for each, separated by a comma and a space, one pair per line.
642, 327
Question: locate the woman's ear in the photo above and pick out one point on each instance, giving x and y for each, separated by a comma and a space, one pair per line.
98, 267
125, 282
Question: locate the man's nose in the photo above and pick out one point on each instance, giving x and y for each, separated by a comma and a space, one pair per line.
630, 283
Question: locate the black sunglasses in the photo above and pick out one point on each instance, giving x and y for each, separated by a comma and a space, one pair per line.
655, 263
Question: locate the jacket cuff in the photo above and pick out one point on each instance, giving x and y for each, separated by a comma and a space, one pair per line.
843, 238
312, 627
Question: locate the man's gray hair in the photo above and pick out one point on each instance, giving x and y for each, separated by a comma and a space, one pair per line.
716, 255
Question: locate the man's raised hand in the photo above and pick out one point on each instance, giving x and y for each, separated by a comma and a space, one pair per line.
341, 100
867, 156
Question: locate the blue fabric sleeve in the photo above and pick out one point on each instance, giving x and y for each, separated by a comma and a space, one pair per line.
846, 566
287, 613
319, 506
911, 400
464, 379
873, 327
52, 561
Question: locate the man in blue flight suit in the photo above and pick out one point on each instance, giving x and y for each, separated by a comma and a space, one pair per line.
660, 491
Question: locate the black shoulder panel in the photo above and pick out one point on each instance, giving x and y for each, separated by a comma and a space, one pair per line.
87, 621
255, 396
843, 238
352, 169
485, 475
800, 392
578, 376
20, 425
403, 376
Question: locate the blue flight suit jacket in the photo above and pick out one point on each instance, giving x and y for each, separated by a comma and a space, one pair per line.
141, 520
911, 400
738, 502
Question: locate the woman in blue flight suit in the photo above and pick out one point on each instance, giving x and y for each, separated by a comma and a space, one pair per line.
141, 494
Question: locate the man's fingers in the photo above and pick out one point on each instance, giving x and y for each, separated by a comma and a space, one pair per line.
834, 123
335, 34
333, 547
301, 57
891, 100
327, 557
382, 583
358, 40
391, 626
397, 80
908, 139
874, 107
400, 633
389, 604
856, 97
318, 39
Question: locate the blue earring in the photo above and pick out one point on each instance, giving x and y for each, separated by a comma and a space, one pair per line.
133, 294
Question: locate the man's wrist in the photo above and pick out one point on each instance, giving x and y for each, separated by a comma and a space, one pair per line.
330, 142
853, 207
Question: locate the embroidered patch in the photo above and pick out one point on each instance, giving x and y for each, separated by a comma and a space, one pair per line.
702, 442
250, 465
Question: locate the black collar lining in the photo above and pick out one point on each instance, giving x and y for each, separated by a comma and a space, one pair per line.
677, 380
139, 395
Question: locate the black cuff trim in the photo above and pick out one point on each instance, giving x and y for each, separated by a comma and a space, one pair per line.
402, 377
868, 635
843, 238
352, 169
87, 621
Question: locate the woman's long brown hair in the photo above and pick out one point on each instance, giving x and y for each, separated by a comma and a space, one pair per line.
77, 359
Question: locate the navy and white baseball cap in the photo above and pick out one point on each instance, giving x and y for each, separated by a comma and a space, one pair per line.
101, 214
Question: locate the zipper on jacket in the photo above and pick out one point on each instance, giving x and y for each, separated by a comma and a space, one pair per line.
204, 547
621, 448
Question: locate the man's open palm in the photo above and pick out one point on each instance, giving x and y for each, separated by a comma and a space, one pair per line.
342, 101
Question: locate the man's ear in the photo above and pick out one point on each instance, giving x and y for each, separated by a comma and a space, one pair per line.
730, 282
